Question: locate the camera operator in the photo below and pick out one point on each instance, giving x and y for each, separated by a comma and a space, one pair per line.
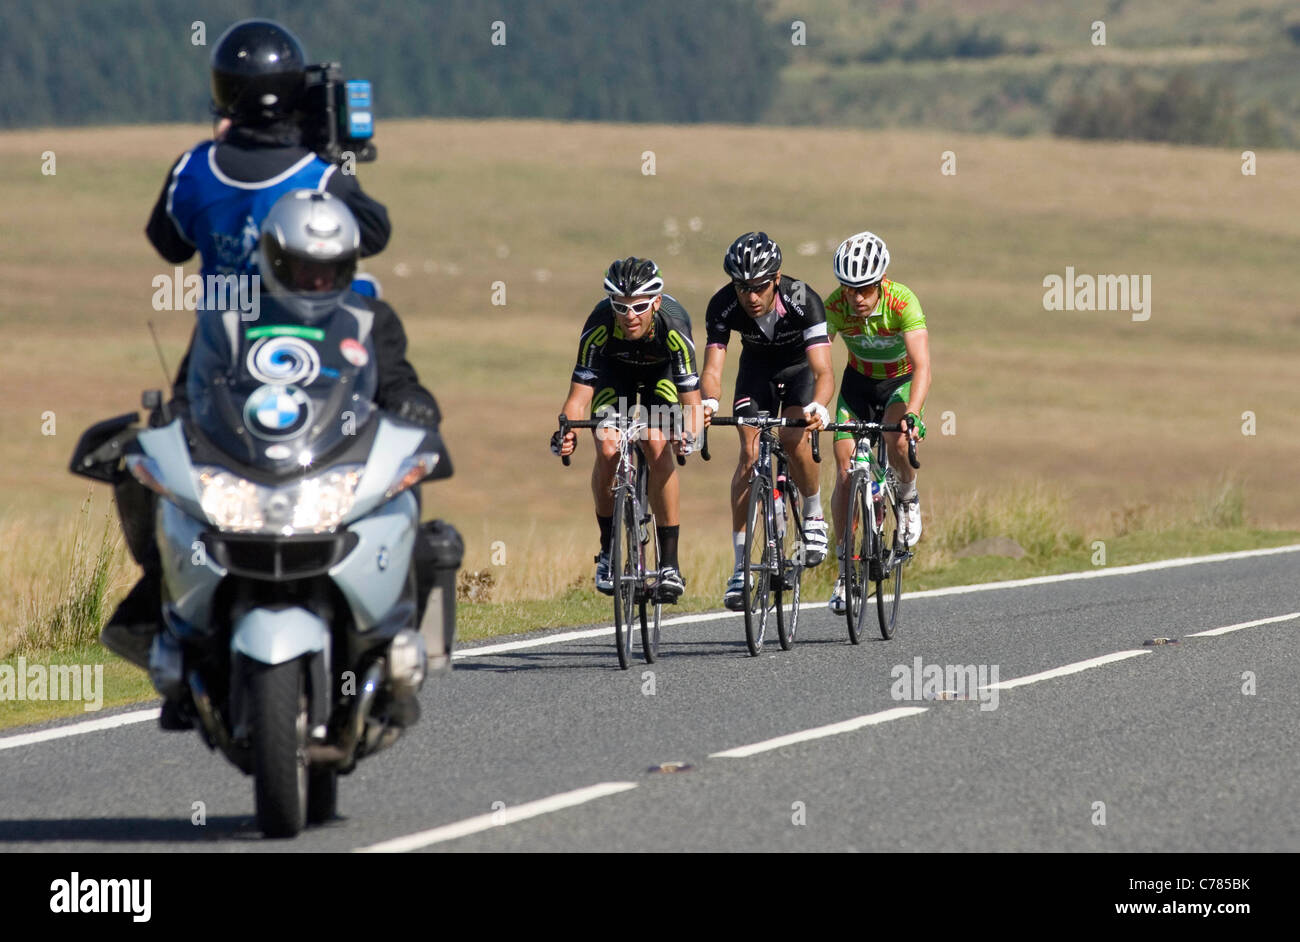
217, 194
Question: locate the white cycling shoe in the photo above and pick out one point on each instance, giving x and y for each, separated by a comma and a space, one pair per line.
911, 523
838, 604
815, 541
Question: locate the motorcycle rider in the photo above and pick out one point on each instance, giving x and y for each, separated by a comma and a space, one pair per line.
308, 248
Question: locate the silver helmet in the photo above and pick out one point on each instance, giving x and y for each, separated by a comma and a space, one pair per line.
308, 251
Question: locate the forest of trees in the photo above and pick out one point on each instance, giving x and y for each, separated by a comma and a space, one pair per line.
64, 62
1179, 112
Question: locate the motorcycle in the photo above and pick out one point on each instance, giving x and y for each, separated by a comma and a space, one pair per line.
287, 520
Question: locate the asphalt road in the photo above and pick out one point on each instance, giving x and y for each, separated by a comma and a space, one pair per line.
1186, 746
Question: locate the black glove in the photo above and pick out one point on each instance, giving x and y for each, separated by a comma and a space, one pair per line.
418, 413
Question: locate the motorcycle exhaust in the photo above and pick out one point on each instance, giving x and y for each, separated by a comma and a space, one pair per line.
407, 663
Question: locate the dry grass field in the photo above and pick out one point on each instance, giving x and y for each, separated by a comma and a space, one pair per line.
1120, 420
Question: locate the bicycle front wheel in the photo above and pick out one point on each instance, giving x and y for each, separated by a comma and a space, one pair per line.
891, 554
789, 557
759, 548
857, 544
625, 568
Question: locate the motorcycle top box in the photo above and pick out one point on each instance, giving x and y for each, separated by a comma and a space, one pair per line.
278, 510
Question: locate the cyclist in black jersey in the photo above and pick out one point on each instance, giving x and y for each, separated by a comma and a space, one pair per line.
785, 369
637, 342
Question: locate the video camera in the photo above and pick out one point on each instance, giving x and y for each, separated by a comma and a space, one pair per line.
338, 115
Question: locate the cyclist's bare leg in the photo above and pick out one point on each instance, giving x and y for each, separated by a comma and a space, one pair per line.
840, 499
797, 444
896, 444
664, 487
740, 480
602, 472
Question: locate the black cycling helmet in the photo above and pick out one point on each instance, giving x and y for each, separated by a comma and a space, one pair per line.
752, 257
258, 72
630, 277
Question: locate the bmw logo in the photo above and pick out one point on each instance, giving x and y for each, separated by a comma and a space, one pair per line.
277, 412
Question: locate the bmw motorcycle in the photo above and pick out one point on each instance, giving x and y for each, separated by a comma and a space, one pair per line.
285, 516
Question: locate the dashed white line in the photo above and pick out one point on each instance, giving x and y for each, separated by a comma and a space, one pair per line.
1245, 624
834, 729
1065, 670
494, 819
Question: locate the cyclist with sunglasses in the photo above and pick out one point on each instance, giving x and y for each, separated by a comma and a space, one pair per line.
785, 369
637, 342
888, 371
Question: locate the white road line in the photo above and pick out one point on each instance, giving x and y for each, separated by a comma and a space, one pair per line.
506, 646
124, 719
486, 822
1064, 671
834, 729
90, 726
1245, 624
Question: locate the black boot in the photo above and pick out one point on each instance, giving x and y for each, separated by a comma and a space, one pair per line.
129, 633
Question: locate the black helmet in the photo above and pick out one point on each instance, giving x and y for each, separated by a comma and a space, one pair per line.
258, 72
631, 276
752, 257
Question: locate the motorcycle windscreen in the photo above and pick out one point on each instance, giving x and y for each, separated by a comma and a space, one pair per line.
301, 393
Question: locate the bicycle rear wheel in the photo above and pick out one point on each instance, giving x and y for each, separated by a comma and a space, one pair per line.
857, 546
758, 570
625, 568
789, 563
891, 554
651, 607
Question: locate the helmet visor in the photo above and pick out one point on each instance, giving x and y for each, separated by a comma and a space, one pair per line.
310, 275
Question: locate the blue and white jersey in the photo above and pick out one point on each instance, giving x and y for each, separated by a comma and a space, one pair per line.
221, 216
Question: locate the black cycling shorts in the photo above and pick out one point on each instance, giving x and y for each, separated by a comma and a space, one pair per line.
621, 388
864, 398
763, 387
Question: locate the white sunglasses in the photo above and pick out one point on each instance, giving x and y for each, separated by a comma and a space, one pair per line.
636, 307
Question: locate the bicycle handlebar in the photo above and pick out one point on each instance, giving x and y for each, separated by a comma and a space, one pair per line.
761, 423
859, 427
567, 423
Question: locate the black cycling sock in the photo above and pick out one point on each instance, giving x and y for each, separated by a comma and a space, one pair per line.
667, 546
606, 528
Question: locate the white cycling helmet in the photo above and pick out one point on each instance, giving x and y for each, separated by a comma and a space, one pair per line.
861, 260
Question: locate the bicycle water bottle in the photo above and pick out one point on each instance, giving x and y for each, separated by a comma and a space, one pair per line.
878, 503
778, 495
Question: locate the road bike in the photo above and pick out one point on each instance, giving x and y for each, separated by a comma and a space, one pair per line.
873, 546
634, 540
774, 549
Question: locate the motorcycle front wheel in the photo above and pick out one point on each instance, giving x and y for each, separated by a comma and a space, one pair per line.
278, 710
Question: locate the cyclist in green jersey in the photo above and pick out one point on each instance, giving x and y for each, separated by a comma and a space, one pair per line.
888, 376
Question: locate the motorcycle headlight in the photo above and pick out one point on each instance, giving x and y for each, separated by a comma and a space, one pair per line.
312, 505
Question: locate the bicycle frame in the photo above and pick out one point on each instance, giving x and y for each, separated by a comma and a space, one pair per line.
634, 581
775, 573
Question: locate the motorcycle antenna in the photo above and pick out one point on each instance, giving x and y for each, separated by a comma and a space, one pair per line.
167, 376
